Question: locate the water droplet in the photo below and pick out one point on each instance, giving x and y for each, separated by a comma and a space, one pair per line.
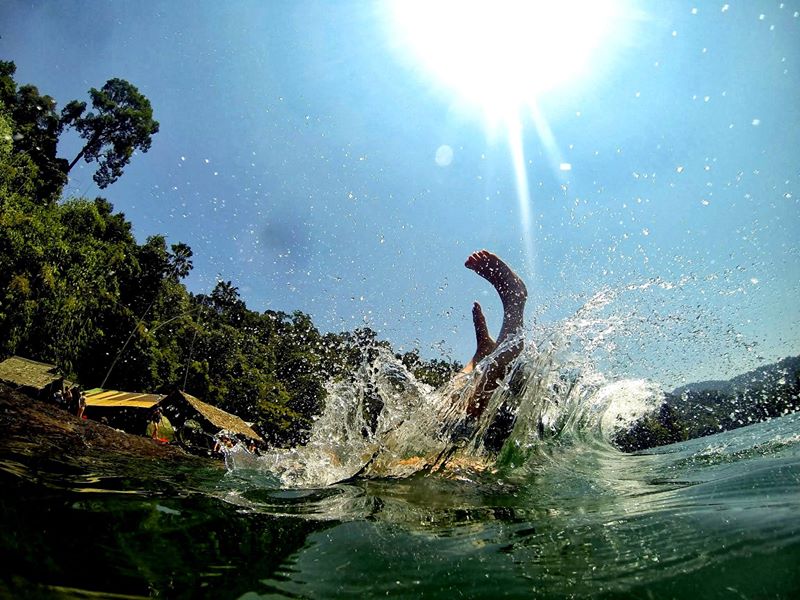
444, 155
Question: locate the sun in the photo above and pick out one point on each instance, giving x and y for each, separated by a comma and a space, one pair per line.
501, 55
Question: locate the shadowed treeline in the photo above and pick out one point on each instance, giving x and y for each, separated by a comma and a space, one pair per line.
709, 407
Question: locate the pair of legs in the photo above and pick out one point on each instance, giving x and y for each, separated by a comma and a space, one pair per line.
513, 294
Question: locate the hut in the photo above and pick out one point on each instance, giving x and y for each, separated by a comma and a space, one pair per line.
196, 422
129, 411
30, 377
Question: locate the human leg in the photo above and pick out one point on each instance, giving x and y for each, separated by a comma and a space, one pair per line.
513, 294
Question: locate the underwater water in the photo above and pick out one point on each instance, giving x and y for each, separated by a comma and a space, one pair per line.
438, 509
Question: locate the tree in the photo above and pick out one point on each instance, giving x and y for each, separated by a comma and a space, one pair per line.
225, 297
122, 122
180, 260
35, 126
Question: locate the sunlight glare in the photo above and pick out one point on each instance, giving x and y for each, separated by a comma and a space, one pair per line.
501, 55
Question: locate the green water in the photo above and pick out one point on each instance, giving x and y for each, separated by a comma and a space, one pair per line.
716, 517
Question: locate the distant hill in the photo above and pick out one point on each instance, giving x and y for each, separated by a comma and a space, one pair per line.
768, 375
709, 407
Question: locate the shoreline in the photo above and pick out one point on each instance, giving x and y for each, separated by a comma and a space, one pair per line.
38, 429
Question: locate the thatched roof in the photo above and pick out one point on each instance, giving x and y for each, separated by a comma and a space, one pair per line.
116, 399
22, 372
213, 415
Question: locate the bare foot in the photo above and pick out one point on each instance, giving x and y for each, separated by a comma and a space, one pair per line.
509, 286
484, 343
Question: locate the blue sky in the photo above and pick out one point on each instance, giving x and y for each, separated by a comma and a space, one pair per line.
297, 158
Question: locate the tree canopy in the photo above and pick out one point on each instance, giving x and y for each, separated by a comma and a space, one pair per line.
122, 122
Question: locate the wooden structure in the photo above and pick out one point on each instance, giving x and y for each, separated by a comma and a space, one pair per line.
34, 378
129, 411
197, 422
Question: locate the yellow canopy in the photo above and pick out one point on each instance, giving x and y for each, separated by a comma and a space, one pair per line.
114, 398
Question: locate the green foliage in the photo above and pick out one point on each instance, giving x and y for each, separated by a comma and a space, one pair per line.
658, 429
35, 127
122, 122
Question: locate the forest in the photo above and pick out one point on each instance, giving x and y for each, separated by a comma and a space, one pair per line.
709, 407
78, 290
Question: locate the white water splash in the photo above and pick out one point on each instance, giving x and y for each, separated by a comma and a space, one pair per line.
384, 423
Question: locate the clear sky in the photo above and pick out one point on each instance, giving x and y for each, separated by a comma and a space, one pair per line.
298, 158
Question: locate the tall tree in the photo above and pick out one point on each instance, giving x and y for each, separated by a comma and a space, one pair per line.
35, 125
122, 122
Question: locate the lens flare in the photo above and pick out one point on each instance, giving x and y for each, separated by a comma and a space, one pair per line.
501, 55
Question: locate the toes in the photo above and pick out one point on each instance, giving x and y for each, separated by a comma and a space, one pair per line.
481, 329
477, 259
477, 315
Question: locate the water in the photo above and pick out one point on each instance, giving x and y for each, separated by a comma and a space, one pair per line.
397, 493
555, 512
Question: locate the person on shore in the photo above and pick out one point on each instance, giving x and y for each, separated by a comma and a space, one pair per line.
58, 398
155, 420
81, 402
222, 443
72, 399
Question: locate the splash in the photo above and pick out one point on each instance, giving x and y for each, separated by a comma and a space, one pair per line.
383, 423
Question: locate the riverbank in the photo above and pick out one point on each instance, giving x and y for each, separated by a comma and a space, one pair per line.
36, 429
